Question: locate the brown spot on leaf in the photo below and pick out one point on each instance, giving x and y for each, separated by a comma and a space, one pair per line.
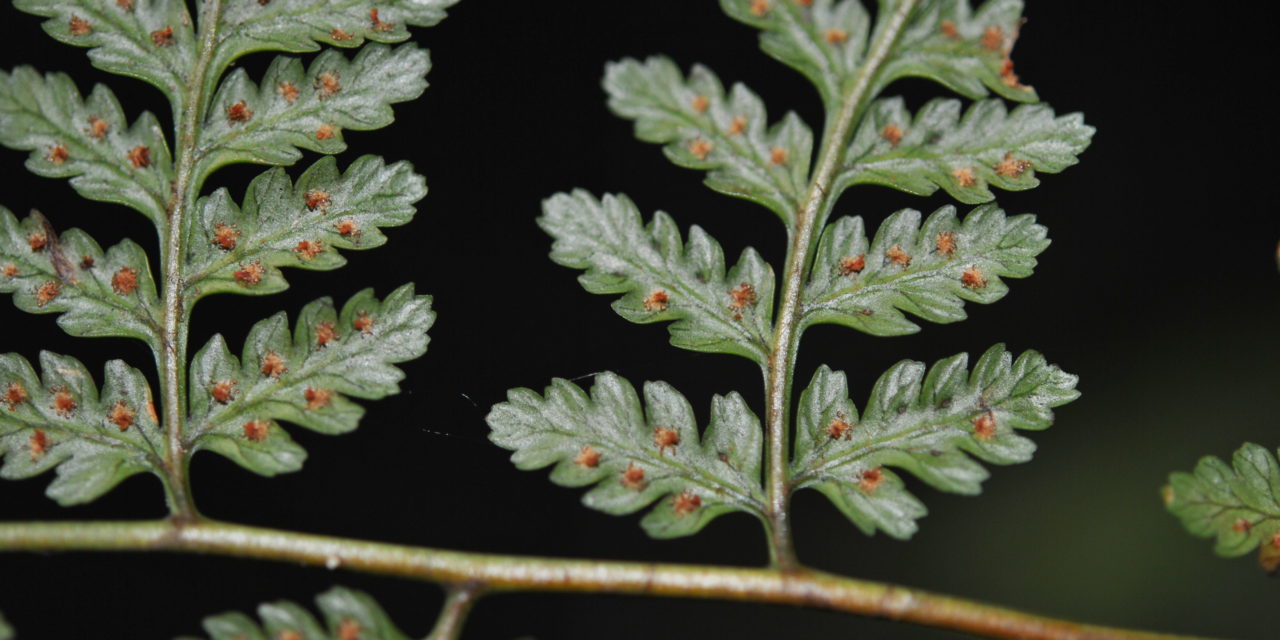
778, 156
324, 132
86, 262
1241, 525
121, 415
836, 36
328, 84
587, 457
347, 228
700, 104
317, 398
10, 270
378, 24
738, 125
964, 177
37, 241
339, 35
125, 5
839, 429
948, 29
124, 281
759, 8
349, 630
992, 38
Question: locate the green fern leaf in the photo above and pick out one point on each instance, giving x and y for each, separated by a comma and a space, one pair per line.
928, 270
303, 378
988, 147
98, 293
295, 109
283, 224
347, 614
300, 25
964, 50
663, 278
1237, 504
60, 420
6, 631
150, 40
637, 455
826, 41
705, 129
923, 424
88, 141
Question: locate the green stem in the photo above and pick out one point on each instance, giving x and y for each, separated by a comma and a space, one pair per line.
453, 614
788, 327
506, 573
173, 342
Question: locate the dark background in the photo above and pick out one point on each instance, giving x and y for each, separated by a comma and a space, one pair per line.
1160, 291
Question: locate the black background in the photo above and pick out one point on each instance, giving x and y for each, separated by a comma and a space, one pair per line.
1160, 291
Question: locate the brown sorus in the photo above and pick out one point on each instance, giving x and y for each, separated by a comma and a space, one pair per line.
121, 415
63, 402
38, 443
288, 91
273, 365
328, 83
839, 429
738, 125
97, 127
325, 333
665, 438
836, 36
853, 264
700, 148
124, 281
897, 257
871, 480
79, 26
223, 391
308, 249
972, 278
347, 228
759, 8
38, 240
892, 133
948, 29
162, 37
324, 132
945, 243
778, 155
992, 38
15, 394
587, 457
10, 270
700, 104
363, 322
249, 274
339, 34
256, 430
317, 199
657, 300
379, 24
317, 398
58, 154
1011, 167
685, 503
139, 157
225, 236
633, 477
47, 292
239, 113
964, 177
87, 262
984, 426
742, 296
